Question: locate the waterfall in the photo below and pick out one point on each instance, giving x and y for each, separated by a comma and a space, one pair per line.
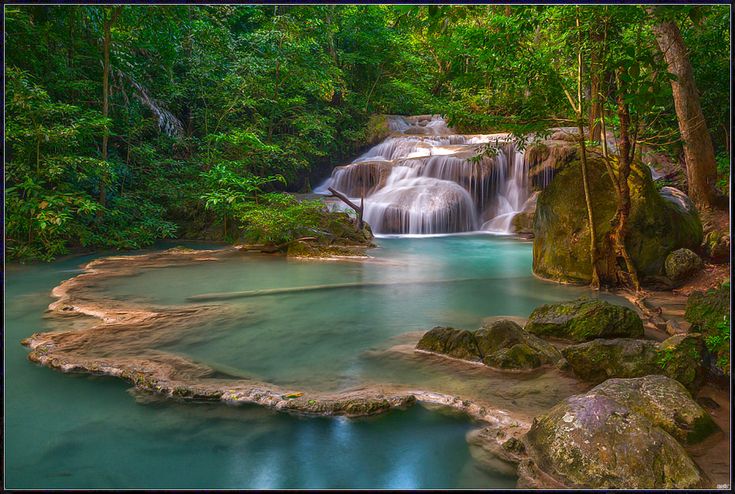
423, 179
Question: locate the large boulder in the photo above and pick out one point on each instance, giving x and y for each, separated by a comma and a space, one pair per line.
595, 441
583, 320
601, 359
457, 343
682, 264
665, 402
658, 224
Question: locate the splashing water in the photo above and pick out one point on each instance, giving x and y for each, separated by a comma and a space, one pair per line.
423, 180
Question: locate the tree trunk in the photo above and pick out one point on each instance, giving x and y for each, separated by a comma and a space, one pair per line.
594, 253
698, 150
619, 230
106, 96
595, 86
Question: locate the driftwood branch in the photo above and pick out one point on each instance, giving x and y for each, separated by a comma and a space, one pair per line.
358, 209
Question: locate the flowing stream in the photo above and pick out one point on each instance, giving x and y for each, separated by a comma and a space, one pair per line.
426, 179
86, 432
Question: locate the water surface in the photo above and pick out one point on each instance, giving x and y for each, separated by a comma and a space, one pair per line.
86, 432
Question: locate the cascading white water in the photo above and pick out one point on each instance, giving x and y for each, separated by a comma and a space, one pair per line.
423, 180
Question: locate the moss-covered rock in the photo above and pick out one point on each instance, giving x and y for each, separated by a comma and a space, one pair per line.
457, 343
522, 223
682, 264
601, 359
665, 402
709, 314
583, 320
658, 224
680, 357
502, 344
520, 356
594, 441
716, 246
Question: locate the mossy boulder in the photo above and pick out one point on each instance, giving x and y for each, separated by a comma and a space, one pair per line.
595, 441
522, 223
600, 359
716, 246
584, 319
682, 264
665, 402
709, 314
680, 357
501, 344
658, 224
519, 356
457, 343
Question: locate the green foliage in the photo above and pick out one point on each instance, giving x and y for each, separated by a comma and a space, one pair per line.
280, 219
709, 313
210, 104
723, 172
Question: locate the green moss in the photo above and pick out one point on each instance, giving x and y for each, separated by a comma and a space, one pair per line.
709, 314
584, 319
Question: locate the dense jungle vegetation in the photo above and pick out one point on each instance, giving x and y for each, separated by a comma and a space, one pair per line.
128, 124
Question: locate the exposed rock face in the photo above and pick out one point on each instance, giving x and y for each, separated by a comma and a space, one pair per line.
595, 441
584, 320
665, 402
457, 343
658, 224
682, 264
678, 357
501, 344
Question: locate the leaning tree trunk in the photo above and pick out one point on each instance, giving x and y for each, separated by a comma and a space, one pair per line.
698, 151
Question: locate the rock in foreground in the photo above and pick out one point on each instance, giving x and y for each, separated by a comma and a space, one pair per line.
584, 320
597, 440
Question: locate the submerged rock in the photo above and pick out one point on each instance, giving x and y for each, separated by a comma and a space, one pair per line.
659, 224
682, 264
457, 343
595, 441
583, 320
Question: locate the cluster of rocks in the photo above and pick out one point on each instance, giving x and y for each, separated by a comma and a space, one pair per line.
630, 431
592, 338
